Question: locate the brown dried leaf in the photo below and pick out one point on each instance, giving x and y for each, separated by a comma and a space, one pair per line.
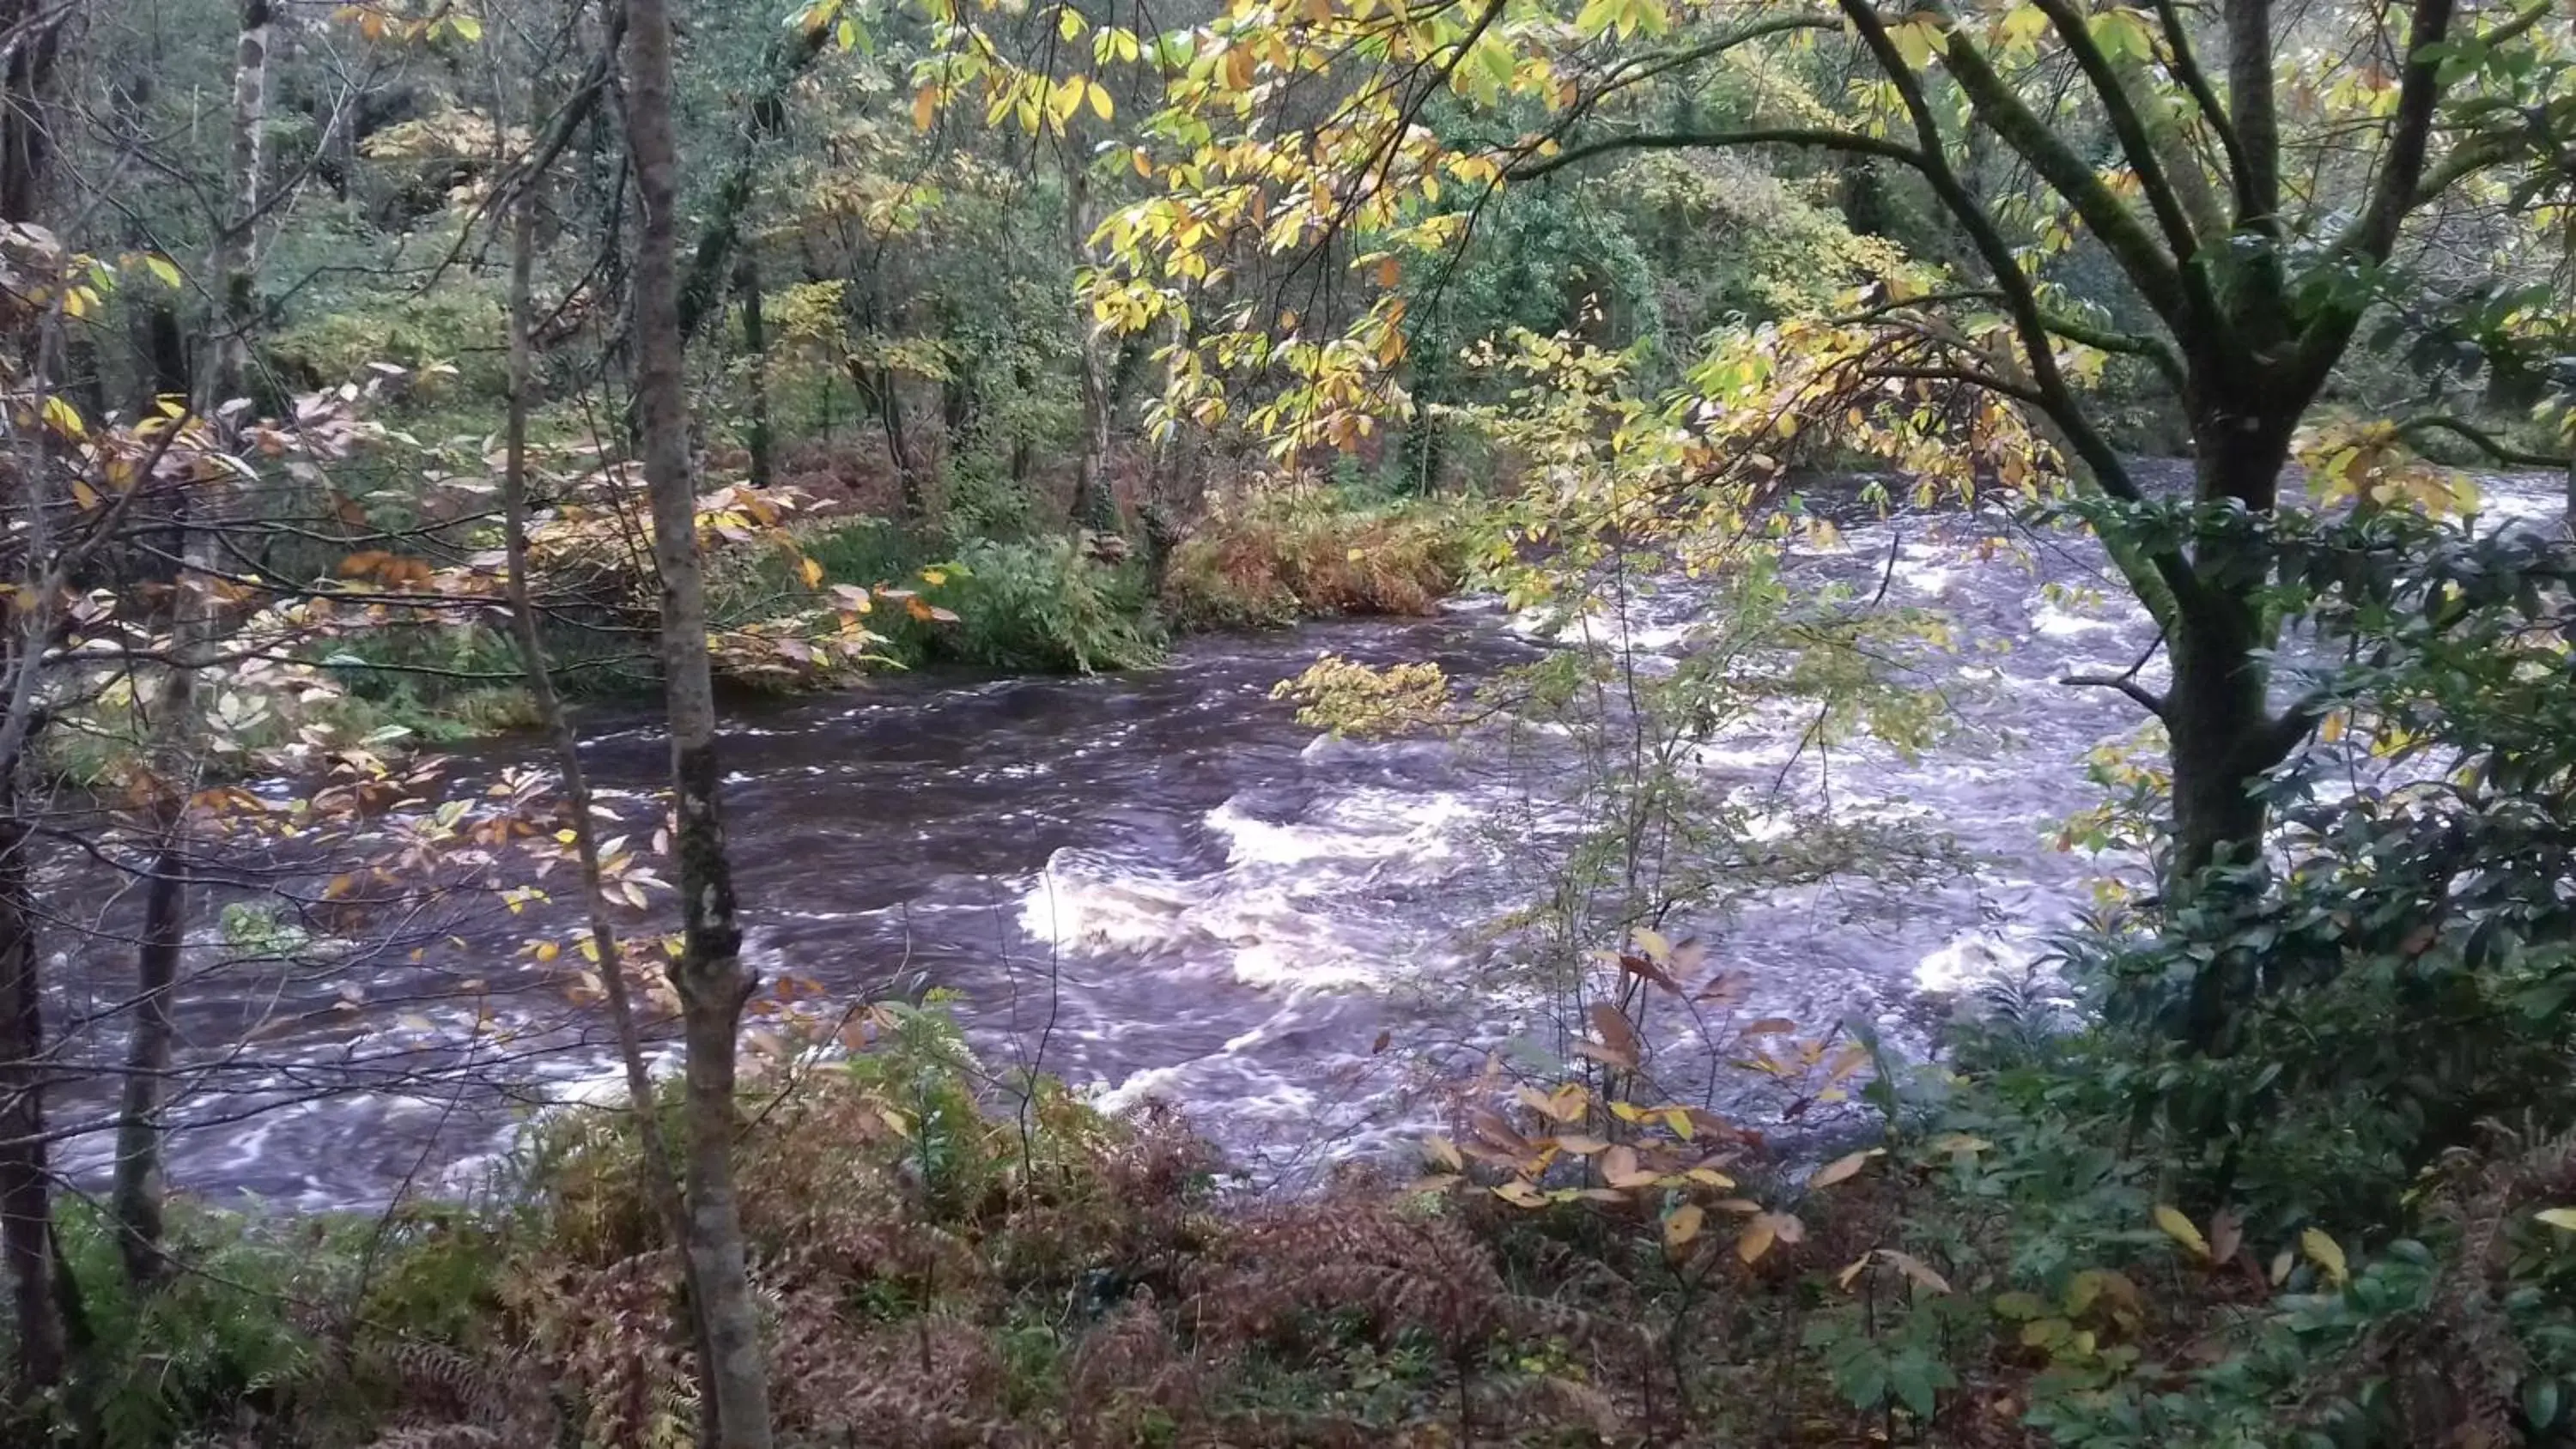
1618, 1036
1916, 1269
2226, 1235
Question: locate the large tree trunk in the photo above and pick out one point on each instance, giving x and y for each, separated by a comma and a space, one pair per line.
2223, 730
712, 983
2218, 710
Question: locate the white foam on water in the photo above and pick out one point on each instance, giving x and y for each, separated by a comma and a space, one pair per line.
1085, 900
1977, 959
1369, 825
2057, 622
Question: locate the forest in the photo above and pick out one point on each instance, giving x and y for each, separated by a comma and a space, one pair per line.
1288, 722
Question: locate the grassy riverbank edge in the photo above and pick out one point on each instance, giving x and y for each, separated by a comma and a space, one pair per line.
1067, 603
951, 1256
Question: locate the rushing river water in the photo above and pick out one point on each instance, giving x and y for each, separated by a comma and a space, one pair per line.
1160, 883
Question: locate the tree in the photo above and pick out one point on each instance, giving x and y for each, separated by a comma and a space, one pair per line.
136, 1196
2247, 220
27, 118
712, 982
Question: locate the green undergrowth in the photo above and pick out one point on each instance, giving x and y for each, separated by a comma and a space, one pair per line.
2006, 1267
1043, 604
1065, 604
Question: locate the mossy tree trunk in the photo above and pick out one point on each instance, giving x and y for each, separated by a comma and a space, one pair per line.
710, 977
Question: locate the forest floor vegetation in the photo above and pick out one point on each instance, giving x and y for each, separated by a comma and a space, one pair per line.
946, 1258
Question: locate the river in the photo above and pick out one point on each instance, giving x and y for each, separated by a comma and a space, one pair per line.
1159, 883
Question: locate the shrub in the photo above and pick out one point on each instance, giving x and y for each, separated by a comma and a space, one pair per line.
1278, 558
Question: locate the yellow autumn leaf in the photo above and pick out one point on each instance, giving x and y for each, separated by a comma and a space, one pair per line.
548, 950
2327, 1254
1444, 1152
925, 107
1682, 1225
65, 419
2179, 1228
2563, 1219
1756, 1239
812, 571
1841, 1168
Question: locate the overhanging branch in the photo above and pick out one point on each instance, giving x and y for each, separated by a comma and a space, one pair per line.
2484, 441
1846, 141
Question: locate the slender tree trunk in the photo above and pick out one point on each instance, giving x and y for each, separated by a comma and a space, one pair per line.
881, 391
1093, 506
712, 982
659, 1180
720, 238
135, 1193
27, 117
27, 120
235, 261
137, 1188
26, 1184
755, 345
1023, 445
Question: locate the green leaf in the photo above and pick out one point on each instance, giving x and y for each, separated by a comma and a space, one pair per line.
1918, 1377
1916, 38
2122, 35
2541, 1402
